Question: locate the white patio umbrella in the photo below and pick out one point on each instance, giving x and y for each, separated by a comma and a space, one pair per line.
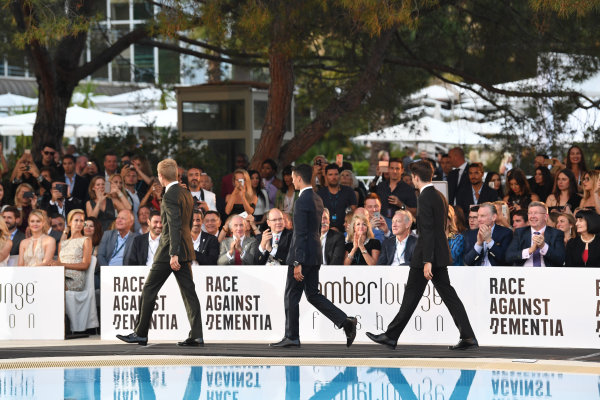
9, 100
160, 118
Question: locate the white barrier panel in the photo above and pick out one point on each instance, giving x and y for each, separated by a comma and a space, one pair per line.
32, 303
508, 306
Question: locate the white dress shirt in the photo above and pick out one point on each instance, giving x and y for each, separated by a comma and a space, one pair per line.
152, 246
485, 246
400, 248
529, 257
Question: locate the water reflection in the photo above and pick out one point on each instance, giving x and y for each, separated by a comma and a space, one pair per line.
291, 382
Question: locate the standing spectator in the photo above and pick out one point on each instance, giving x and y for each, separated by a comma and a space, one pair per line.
92, 228
287, 196
576, 164
118, 194
241, 198
228, 181
153, 197
59, 200
362, 248
381, 170
270, 182
5, 243
100, 205
519, 194
380, 228
519, 219
537, 245
239, 248
455, 239
143, 218
91, 170
110, 168
566, 223
564, 195
458, 178
48, 153
318, 174
78, 186
3, 200
26, 171
273, 244
338, 199
347, 178
494, 181
395, 194
542, 183
479, 192
591, 191
212, 223
144, 173
130, 180
39, 248
75, 252
398, 249
487, 245
80, 165
25, 201
584, 249
473, 217
3, 164
408, 158
205, 200
506, 164
206, 245
261, 196
332, 242
445, 168
144, 246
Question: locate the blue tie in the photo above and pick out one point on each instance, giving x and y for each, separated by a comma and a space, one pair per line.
537, 257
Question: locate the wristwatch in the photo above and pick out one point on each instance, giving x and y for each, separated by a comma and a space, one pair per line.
296, 263
364, 251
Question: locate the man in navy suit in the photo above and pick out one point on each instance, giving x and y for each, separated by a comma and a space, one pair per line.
478, 193
537, 245
458, 178
304, 260
487, 245
398, 249
273, 244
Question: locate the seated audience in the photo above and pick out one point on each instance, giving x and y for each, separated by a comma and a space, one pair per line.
116, 245
25, 201
503, 214
242, 198
478, 193
332, 242
212, 223
564, 196
398, 249
269, 181
78, 185
143, 219
591, 191
474, 217
39, 248
59, 200
541, 182
118, 194
11, 215
273, 244
494, 181
486, 246
5, 244
537, 245
361, 248
380, 228
92, 228
75, 252
519, 219
206, 245
459, 218
100, 205
576, 165
519, 194
287, 196
455, 238
239, 248
566, 223
395, 194
144, 246
584, 250
153, 196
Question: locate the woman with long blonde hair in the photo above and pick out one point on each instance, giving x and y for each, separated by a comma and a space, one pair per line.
591, 191
242, 199
75, 252
5, 243
361, 247
118, 194
456, 241
38, 249
100, 205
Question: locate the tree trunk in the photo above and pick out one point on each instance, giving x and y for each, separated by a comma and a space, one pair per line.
50, 119
281, 91
338, 107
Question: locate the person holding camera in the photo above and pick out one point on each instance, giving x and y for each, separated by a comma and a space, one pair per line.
242, 199
26, 171
59, 200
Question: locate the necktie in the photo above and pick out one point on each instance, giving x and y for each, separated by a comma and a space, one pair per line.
537, 257
238, 258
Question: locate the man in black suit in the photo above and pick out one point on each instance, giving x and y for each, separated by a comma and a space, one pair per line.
332, 243
144, 246
59, 200
398, 249
429, 262
206, 246
458, 178
11, 214
537, 245
478, 193
78, 185
274, 243
487, 245
174, 254
304, 261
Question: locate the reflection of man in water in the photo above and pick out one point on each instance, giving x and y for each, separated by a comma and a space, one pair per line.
330, 390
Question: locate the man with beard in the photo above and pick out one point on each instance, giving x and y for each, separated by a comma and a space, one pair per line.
206, 246
11, 216
144, 246
204, 199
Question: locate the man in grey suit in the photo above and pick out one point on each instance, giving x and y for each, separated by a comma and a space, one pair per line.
115, 245
398, 249
238, 249
174, 254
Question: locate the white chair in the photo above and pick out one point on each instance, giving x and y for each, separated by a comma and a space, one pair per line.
81, 306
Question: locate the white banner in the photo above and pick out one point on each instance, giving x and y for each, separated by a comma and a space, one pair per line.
507, 306
32, 303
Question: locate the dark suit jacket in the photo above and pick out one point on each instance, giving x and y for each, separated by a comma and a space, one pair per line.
464, 197
501, 236
334, 248
555, 257
57, 235
176, 215
282, 249
575, 248
80, 188
388, 250
432, 219
208, 253
107, 246
139, 251
70, 204
16, 241
454, 187
306, 239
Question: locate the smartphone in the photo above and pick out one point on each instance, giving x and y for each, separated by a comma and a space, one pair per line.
27, 151
28, 195
492, 185
318, 162
127, 163
62, 188
339, 160
376, 214
505, 211
384, 166
241, 181
89, 163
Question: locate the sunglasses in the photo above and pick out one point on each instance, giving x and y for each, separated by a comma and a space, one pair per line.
49, 153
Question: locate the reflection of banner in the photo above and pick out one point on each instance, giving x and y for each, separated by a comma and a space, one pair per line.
32, 303
509, 306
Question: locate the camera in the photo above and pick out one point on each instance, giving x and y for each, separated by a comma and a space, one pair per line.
62, 189
28, 195
318, 162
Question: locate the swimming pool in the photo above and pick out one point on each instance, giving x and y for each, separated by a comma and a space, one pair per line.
292, 382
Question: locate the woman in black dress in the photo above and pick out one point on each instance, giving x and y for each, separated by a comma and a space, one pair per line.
361, 247
584, 250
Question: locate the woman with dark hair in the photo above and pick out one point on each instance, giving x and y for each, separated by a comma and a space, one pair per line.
92, 228
287, 195
564, 193
460, 220
542, 183
576, 164
456, 240
519, 194
261, 196
493, 180
566, 223
584, 250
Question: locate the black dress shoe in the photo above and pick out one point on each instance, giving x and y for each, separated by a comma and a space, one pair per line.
382, 339
465, 344
198, 342
133, 338
285, 342
350, 330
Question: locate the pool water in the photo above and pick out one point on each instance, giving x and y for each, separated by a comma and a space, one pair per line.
291, 382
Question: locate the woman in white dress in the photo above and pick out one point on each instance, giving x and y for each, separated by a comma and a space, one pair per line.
75, 252
38, 249
5, 244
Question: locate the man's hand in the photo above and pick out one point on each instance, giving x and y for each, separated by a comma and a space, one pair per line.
394, 200
266, 242
175, 266
298, 273
538, 240
235, 243
427, 271
485, 232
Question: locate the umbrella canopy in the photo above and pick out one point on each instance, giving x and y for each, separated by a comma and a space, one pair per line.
132, 102
9, 100
160, 118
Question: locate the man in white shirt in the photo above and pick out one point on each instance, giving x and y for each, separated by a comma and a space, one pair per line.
458, 178
206, 246
274, 242
237, 249
378, 224
398, 249
144, 246
204, 199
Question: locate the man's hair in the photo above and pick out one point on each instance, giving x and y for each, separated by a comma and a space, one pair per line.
332, 166
69, 157
48, 144
212, 212
459, 150
477, 165
489, 206
396, 160
153, 213
57, 215
144, 206
271, 162
408, 217
231, 218
538, 204
522, 214
198, 211
326, 211
445, 155
304, 171
168, 169
545, 156
373, 196
13, 210
422, 169
109, 153
128, 154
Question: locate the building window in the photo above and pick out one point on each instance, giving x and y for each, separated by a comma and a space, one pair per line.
119, 10
225, 115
